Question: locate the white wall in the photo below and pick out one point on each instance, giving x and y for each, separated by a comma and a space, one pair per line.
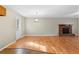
48, 26
8, 27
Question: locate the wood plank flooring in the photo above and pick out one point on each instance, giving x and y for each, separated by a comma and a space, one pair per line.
20, 51
49, 44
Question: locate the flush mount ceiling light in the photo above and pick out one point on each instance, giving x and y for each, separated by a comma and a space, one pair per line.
36, 18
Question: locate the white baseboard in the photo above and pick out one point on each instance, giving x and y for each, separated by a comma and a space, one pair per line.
45, 35
42, 35
20, 37
7, 45
10, 43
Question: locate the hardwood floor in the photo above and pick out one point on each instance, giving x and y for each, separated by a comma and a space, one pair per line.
20, 51
49, 44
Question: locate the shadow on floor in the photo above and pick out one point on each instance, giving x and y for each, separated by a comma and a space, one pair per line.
20, 51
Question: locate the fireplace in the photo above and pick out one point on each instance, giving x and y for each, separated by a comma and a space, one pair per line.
65, 29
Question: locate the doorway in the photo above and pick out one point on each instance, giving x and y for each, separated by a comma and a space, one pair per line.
18, 28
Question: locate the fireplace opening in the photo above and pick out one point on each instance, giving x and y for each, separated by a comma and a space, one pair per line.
65, 30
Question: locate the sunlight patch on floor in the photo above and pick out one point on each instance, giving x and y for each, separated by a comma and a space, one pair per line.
36, 45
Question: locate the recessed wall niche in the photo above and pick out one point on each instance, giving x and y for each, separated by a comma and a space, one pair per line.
2, 11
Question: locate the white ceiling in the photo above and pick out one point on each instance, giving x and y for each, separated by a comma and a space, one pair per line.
46, 10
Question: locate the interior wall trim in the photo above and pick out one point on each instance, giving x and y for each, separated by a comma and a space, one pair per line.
43, 35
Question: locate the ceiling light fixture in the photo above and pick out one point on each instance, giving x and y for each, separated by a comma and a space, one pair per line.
36, 20
36, 16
